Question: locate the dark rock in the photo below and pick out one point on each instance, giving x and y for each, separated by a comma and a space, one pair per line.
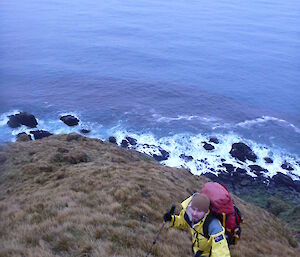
203, 161
223, 160
186, 157
69, 120
85, 131
268, 160
242, 152
229, 167
297, 185
211, 176
112, 140
23, 137
257, 169
164, 155
124, 143
240, 171
131, 140
22, 118
208, 147
214, 140
287, 166
283, 180
39, 134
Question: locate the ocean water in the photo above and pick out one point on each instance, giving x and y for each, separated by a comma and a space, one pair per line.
171, 73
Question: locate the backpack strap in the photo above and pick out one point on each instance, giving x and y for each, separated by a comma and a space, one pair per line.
206, 224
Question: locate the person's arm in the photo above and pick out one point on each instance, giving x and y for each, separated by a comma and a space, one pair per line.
178, 221
219, 246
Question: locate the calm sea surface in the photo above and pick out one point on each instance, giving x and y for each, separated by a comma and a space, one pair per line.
165, 68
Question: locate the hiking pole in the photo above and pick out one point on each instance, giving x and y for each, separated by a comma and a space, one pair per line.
172, 210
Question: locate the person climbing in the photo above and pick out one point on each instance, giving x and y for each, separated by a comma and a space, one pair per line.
208, 235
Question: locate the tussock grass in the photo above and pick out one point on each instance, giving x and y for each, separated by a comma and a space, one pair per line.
68, 195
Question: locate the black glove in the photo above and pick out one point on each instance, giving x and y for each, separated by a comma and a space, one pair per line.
167, 216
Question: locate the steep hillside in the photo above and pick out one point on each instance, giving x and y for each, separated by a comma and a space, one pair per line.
68, 195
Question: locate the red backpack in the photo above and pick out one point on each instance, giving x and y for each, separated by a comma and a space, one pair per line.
222, 207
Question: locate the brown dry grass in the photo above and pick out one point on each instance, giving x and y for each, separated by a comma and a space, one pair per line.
69, 195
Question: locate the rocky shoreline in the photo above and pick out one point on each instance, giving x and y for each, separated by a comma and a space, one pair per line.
278, 193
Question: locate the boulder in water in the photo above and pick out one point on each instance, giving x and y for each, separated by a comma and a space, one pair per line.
229, 167
186, 157
112, 140
85, 131
287, 166
69, 120
268, 160
208, 147
39, 134
124, 143
131, 140
22, 118
242, 152
164, 155
214, 140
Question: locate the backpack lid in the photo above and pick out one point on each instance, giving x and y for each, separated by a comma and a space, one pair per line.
220, 199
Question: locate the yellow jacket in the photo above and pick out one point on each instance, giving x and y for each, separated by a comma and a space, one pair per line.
208, 240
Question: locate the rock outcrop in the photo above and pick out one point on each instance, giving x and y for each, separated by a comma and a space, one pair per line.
69, 120
22, 118
242, 152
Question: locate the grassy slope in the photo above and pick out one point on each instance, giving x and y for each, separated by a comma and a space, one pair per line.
72, 196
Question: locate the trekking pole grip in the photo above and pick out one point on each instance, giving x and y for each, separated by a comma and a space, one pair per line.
172, 210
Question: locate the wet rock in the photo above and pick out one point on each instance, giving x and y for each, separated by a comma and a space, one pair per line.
112, 140
242, 152
124, 143
22, 118
287, 166
39, 134
257, 169
229, 167
240, 171
268, 160
164, 155
23, 137
186, 157
204, 161
131, 140
69, 120
214, 140
85, 131
284, 180
208, 147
